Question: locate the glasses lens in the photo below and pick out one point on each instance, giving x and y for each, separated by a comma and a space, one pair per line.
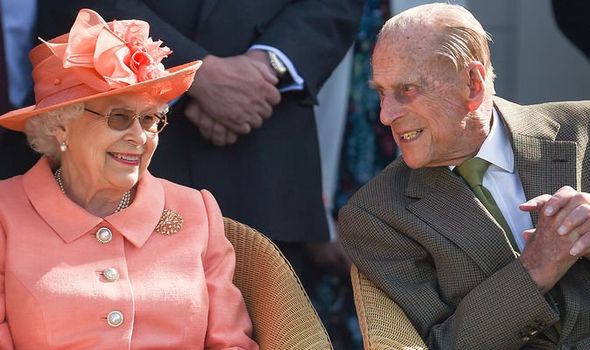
120, 120
152, 122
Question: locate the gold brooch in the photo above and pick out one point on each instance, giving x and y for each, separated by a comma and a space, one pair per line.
170, 222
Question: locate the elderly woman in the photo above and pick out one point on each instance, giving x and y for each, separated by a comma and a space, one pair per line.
96, 253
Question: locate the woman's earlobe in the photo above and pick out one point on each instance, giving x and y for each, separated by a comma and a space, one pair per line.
60, 134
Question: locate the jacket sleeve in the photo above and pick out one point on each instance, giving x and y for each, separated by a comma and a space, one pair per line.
229, 324
315, 35
493, 315
5, 336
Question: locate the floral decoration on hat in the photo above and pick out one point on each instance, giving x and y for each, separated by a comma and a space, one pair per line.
116, 54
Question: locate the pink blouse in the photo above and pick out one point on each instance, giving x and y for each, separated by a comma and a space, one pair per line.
61, 288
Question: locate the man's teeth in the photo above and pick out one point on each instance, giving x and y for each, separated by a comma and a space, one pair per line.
129, 158
410, 135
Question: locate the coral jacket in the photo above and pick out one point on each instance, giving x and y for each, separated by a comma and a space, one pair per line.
172, 291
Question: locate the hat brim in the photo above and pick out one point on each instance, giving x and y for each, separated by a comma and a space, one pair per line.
166, 88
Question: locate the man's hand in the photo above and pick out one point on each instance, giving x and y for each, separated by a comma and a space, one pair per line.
238, 92
330, 256
572, 210
209, 128
550, 248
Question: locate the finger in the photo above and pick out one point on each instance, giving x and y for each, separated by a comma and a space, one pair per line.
264, 109
231, 137
218, 134
528, 234
535, 204
237, 127
192, 112
273, 96
578, 216
241, 129
574, 204
581, 245
206, 127
558, 200
256, 121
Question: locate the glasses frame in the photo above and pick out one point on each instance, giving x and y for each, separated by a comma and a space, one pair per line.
136, 116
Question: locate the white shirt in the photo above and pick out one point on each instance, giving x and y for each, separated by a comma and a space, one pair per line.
502, 179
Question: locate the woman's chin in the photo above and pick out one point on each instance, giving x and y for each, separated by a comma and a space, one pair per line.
126, 181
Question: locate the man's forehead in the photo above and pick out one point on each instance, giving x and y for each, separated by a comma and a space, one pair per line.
401, 66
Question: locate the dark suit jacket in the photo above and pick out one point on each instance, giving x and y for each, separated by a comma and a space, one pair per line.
423, 237
270, 179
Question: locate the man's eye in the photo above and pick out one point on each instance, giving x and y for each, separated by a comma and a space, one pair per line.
409, 88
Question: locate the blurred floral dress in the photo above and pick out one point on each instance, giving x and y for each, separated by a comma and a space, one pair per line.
367, 148
368, 145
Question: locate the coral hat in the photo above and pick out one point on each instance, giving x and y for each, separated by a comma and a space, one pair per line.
97, 59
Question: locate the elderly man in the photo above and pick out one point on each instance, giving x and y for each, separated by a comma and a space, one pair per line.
472, 263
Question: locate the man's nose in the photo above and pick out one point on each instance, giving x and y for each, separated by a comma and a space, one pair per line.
390, 110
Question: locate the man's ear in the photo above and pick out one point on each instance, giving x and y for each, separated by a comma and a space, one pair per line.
476, 84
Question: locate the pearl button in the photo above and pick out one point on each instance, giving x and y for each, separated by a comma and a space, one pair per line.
115, 318
104, 235
111, 274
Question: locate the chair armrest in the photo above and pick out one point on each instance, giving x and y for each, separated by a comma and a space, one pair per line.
383, 323
281, 312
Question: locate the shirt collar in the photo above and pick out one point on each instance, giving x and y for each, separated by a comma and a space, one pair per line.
496, 148
136, 223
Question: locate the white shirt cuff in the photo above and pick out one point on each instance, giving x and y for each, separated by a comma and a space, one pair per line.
297, 79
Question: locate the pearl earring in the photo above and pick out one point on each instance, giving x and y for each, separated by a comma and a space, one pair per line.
63, 147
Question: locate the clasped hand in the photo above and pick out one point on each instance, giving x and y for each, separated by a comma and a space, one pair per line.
561, 236
231, 96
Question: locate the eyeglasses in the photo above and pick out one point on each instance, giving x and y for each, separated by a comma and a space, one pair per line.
121, 119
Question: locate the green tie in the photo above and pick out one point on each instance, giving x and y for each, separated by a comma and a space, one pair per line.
472, 171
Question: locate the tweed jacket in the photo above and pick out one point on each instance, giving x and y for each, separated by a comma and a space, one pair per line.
174, 291
423, 237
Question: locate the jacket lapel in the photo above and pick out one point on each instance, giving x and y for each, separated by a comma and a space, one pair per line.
442, 194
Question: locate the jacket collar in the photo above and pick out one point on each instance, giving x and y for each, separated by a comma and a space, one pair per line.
136, 223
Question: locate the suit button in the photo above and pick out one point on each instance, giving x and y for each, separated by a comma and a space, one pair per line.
525, 338
104, 235
115, 318
111, 274
533, 332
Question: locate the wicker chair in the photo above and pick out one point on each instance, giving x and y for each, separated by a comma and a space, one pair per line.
281, 312
383, 323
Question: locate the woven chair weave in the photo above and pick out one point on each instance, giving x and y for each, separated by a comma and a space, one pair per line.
383, 323
281, 312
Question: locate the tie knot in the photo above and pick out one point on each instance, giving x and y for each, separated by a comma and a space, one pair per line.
472, 171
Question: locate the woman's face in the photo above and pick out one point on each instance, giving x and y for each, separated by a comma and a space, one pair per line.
99, 157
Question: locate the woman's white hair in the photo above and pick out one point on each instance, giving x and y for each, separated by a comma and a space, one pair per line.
40, 129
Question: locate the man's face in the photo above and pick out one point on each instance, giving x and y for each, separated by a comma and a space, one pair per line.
424, 103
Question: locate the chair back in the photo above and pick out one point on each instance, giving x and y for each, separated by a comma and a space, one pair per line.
281, 312
383, 323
